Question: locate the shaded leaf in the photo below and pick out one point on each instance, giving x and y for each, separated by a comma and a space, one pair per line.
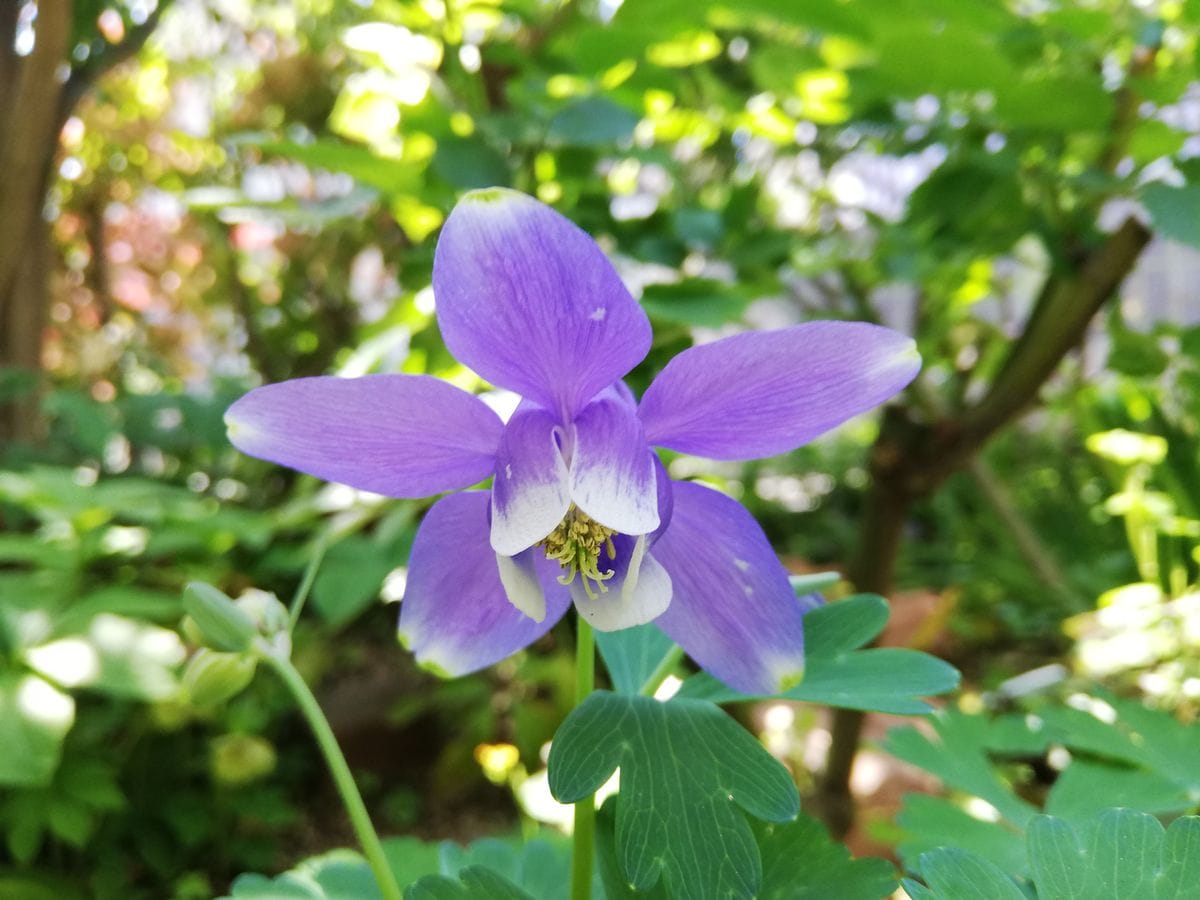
932, 822
469, 163
475, 883
957, 756
954, 873
337, 875
837, 673
35, 716
386, 175
802, 862
1174, 211
592, 121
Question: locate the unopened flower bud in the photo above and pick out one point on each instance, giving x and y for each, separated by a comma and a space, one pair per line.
211, 677
270, 619
241, 758
221, 624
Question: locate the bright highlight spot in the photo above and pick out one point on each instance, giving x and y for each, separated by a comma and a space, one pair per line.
40, 702
71, 662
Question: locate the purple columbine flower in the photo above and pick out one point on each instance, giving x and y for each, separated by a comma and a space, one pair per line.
580, 508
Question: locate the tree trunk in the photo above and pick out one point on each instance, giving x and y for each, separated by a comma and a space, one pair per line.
31, 89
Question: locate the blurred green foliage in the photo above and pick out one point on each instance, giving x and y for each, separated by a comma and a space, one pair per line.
254, 196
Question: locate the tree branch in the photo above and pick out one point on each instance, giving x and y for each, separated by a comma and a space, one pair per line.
911, 459
85, 75
1067, 307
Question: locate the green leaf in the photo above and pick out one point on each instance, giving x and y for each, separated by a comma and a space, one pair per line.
475, 883
844, 625
694, 302
38, 886
932, 822
1144, 738
388, 176
590, 122
924, 57
955, 874
1085, 788
285, 887
685, 767
632, 654
116, 655
1180, 864
1119, 855
957, 755
1056, 103
121, 600
410, 858
35, 716
1153, 139
608, 866
337, 875
1136, 354
540, 867
469, 163
1174, 211
1058, 859
69, 820
837, 673
25, 819
350, 578
801, 862
90, 782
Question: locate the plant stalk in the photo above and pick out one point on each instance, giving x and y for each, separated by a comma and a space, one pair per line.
583, 842
661, 671
306, 582
342, 779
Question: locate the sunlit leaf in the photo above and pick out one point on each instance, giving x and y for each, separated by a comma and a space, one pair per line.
35, 716
632, 654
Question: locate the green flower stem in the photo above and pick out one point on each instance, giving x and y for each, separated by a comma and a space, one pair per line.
342, 778
661, 671
306, 583
584, 835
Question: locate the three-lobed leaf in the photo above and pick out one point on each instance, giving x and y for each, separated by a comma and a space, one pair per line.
686, 767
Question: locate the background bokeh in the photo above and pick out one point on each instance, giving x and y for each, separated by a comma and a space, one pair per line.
232, 192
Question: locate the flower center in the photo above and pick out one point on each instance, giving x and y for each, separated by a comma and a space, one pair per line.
576, 543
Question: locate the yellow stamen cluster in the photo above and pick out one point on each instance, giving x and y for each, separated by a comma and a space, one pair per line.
576, 543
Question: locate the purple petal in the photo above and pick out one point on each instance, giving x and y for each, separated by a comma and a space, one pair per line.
733, 609
527, 300
762, 393
638, 591
612, 468
399, 435
455, 616
530, 494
